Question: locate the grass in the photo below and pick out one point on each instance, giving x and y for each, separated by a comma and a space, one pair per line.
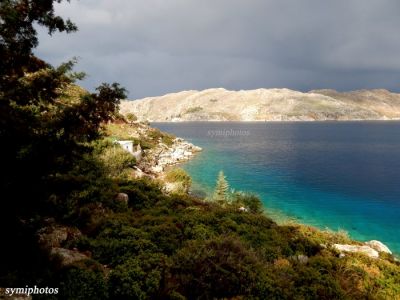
147, 137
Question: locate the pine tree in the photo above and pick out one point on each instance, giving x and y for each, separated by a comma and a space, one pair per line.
221, 188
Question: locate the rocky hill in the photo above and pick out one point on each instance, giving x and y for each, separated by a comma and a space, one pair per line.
266, 105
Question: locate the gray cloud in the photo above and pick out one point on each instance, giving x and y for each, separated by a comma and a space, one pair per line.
154, 47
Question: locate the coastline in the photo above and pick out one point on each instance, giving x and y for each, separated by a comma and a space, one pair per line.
157, 150
355, 207
163, 156
279, 121
344, 242
283, 219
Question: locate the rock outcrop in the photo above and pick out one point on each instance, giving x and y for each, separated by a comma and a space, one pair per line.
55, 236
162, 155
378, 246
66, 256
371, 248
266, 105
357, 249
122, 197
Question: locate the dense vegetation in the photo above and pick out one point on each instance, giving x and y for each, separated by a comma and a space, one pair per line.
61, 171
175, 247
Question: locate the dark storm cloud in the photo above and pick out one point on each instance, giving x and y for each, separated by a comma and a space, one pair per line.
157, 46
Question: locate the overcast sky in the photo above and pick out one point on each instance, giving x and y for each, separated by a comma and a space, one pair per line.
153, 47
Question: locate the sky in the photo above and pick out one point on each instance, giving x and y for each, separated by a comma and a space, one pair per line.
154, 47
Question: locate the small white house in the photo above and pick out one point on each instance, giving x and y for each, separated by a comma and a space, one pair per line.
126, 145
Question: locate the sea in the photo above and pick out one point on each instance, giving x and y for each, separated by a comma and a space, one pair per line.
331, 175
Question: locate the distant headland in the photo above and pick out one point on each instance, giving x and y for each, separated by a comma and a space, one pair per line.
220, 104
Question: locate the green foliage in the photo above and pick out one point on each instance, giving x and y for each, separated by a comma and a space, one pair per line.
46, 156
179, 177
149, 140
218, 268
221, 189
43, 135
131, 117
156, 135
138, 278
177, 247
143, 193
251, 202
55, 170
19, 36
79, 283
117, 161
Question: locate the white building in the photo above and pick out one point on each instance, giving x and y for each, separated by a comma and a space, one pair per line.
127, 145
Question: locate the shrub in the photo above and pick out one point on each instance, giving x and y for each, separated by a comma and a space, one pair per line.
154, 135
131, 118
82, 284
250, 201
180, 177
217, 268
138, 278
117, 161
142, 192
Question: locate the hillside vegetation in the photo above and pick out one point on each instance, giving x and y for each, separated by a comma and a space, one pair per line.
266, 105
77, 216
149, 244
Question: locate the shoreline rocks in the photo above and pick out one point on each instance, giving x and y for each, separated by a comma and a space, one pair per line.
164, 156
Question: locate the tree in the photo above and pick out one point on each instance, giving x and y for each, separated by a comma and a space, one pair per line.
221, 188
131, 118
19, 37
43, 134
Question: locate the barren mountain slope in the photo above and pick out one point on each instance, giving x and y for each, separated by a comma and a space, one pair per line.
266, 105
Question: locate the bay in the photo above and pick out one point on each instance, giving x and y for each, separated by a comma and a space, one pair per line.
336, 175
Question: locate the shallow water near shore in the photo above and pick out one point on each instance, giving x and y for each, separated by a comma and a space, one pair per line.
336, 175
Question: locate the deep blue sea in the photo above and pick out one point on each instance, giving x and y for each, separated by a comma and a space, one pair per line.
336, 175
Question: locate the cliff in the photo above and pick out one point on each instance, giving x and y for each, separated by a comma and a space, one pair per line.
266, 105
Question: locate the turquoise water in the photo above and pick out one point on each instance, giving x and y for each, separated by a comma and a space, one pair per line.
336, 175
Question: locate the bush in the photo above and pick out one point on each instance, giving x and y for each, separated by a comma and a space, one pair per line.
142, 192
131, 118
154, 135
138, 278
249, 201
180, 177
217, 268
82, 284
117, 161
